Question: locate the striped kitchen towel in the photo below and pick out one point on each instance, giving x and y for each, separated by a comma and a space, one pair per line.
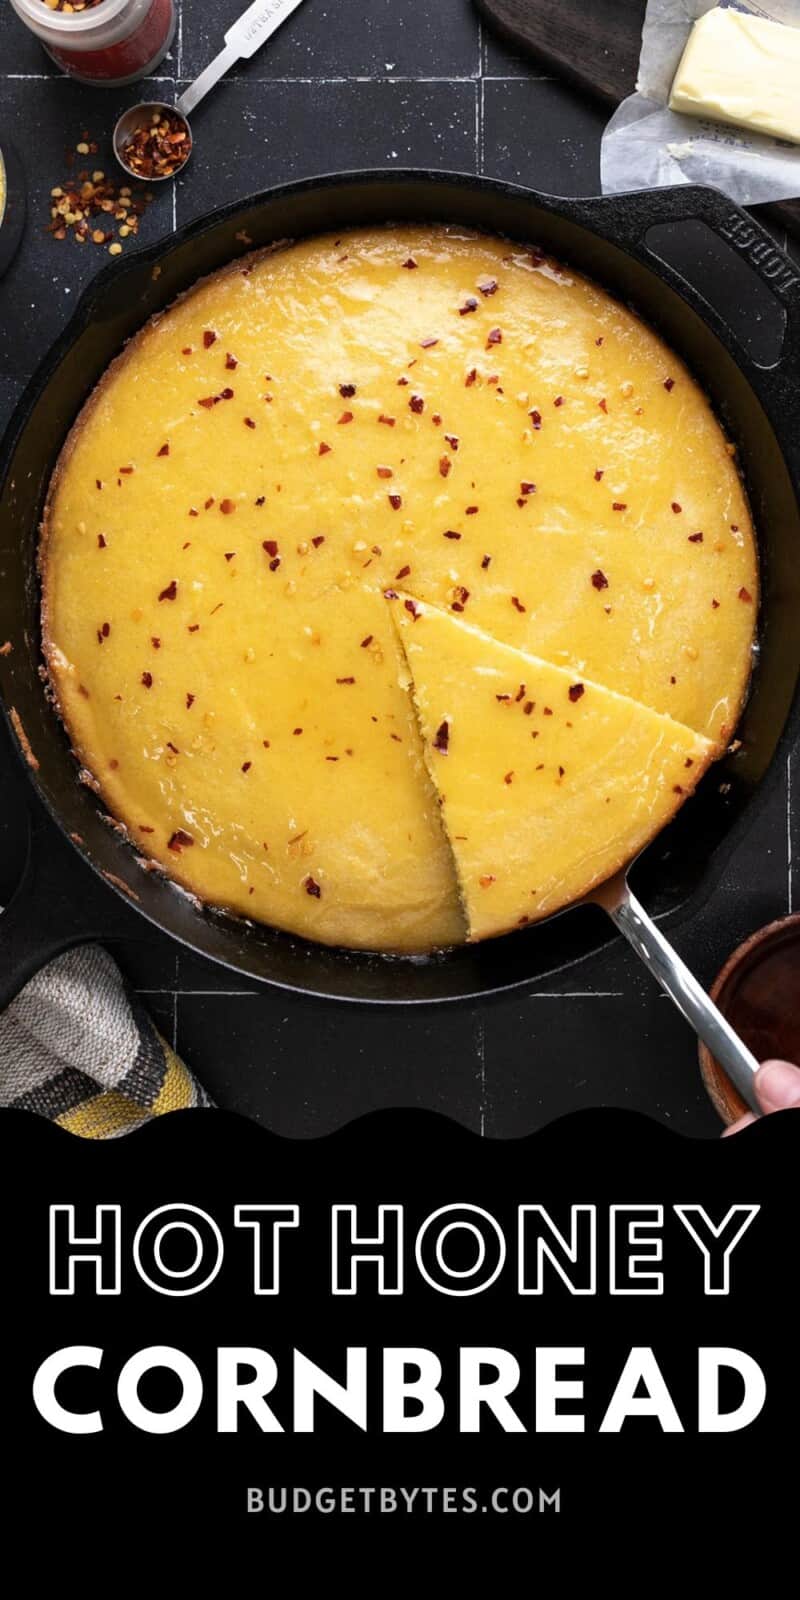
76, 1047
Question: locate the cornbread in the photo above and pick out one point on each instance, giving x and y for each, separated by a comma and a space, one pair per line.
418, 425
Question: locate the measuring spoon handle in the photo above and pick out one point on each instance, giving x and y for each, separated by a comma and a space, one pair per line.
245, 36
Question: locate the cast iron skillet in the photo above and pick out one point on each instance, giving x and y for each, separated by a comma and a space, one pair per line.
60, 903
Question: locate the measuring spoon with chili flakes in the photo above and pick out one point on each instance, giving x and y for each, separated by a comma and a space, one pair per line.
153, 141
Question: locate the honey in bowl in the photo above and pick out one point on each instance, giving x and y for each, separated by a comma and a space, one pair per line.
349, 505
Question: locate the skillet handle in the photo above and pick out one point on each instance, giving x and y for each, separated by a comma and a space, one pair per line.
49, 912
646, 209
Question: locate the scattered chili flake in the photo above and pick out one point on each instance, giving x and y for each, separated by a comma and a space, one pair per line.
410, 263
676, 506
346, 416
599, 579
452, 440
411, 608
190, 699
536, 418
576, 690
246, 765
227, 506
485, 562
390, 594
347, 390
159, 148
402, 382
208, 401
416, 404
470, 304
126, 471
559, 400
695, 538
147, 680
450, 533
389, 421
427, 344
436, 419
471, 511
502, 697
445, 465
490, 287
527, 488
509, 777
101, 541
248, 422
471, 377
180, 840
324, 450
173, 747
486, 880
744, 594
384, 472
296, 731
495, 337
155, 642
229, 554
517, 604
603, 404
345, 680
715, 605
669, 384
403, 573
529, 707
367, 641
312, 887
395, 501
164, 451
226, 394
441, 740
230, 362
170, 592
318, 539
207, 504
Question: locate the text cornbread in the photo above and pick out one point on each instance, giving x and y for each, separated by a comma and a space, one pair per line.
422, 413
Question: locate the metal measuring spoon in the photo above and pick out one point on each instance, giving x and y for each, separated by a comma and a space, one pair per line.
663, 962
242, 40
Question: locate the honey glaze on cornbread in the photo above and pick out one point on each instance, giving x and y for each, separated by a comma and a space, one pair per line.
415, 412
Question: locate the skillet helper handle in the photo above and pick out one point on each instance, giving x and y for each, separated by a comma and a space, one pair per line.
666, 966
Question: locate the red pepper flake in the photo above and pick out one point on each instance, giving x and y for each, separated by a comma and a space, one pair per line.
495, 337
485, 562
471, 378
411, 608
164, 451
346, 416
229, 554
147, 680
520, 694
576, 690
599, 579
487, 879
101, 541
190, 699
296, 731
389, 421
502, 697
529, 707
390, 594
367, 641
170, 592
470, 304
676, 506
517, 604
536, 418
509, 777
82, 689
598, 473
179, 841
559, 400
208, 401
312, 887
734, 527
669, 384
248, 422
347, 390
230, 362
395, 501
603, 404
427, 344
410, 264
619, 505
246, 765
270, 545
695, 538
715, 605
402, 382
462, 596
744, 594
436, 419
416, 404
173, 747
226, 394
323, 450
677, 789
403, 573
489, 287
126, 471
450, 533
155, 642
445, 466
527, 488
209, 338
208, 503
260, 500
384, 472
452, 440
187, 350
600, 340
442, 738
227, 506
345, 680
471, 511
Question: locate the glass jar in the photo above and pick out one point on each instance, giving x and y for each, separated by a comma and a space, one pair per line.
109, 42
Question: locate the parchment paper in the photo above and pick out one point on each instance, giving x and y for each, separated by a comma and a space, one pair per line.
645, 145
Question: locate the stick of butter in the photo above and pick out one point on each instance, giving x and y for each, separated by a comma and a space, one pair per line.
742, 69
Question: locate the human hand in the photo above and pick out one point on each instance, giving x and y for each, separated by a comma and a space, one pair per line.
777, 1085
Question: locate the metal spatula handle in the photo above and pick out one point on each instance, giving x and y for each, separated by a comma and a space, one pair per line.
681, 985
242, 40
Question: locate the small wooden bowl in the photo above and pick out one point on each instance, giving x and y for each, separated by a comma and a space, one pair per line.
751, 991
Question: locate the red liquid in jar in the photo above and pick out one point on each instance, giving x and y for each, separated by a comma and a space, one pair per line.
127, 58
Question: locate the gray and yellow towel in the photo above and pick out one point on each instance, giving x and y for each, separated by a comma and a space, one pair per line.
76, 1047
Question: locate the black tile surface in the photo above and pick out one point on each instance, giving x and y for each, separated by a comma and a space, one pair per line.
348, 84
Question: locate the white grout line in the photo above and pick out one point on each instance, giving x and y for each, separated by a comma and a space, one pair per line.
471, 77
179, 40
480, 1039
